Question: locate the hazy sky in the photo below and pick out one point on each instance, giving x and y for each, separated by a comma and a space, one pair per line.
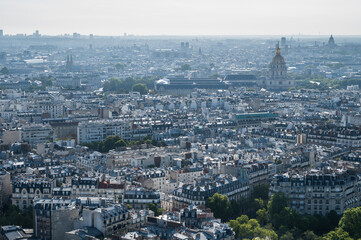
182, 17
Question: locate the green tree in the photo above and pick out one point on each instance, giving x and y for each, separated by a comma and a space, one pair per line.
261, 192
109, 142
351, 222
120, 66
242, 219
220, 206
141, 88
12, 215
157, 210
234, 224
257, 204
277, 203
160, 211
337, 234
287, 236
309, 235
153, 207
120, 143
185, 67
262, 216
245, 228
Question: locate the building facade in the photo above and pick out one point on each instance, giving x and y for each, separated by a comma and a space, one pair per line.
319, 192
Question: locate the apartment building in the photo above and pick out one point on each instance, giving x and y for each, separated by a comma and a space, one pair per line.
140, 198
26, 190
37, 133
203, 188
92, 131
320, 191
53, 218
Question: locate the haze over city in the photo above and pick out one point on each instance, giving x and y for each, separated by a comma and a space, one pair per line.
187, 17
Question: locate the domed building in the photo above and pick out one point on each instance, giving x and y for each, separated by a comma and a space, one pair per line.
331, 42
278, 79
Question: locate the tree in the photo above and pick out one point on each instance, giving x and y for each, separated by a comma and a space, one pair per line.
257, 204
159, 211
120, 66
154, 207
5, 71
220, 206
120, 143
287, 236
338, 234
141, 88
185, 67
242, 219
12, 215
351, 221
262, 216
234, 224
109, 142
261, 192
277, 204
309, 235
245, 228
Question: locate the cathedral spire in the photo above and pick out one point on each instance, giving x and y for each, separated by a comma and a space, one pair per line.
278, 51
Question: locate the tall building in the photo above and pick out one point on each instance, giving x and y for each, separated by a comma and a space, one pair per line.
283, 41
1, 33
278, 79
54, 217
5, 187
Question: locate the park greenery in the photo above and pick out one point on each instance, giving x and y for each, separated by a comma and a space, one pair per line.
11, 215
141, 88
117, 85
156, 209
323, 84
260, 217
116, 142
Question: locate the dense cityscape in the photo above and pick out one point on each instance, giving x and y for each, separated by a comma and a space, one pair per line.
183, 138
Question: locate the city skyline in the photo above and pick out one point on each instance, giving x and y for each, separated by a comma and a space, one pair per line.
159, 17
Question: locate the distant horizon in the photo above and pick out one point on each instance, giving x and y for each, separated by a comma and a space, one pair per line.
182, 17
174, 35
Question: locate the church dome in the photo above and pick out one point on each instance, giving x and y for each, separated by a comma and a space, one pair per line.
278, 69
331, 41
278, 59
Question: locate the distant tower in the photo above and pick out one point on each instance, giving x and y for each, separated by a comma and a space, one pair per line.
1, 33
283, 42
278, 79
331, 42
69, 63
